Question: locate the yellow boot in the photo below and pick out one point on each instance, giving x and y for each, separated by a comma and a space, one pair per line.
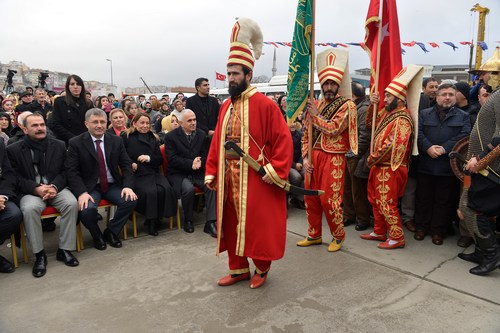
310, 241
335, 245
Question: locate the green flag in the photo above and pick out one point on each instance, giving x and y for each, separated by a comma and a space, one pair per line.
298, 64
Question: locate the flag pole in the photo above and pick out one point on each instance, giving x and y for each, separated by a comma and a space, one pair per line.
377, 73
311, 79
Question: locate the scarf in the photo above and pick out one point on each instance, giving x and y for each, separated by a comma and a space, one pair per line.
39, 149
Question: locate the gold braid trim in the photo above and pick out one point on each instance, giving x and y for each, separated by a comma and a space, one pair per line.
328, 112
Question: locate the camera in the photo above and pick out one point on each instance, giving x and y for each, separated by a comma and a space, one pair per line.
41, 79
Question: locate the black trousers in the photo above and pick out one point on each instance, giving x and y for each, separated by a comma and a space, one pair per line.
10, 219
436, 202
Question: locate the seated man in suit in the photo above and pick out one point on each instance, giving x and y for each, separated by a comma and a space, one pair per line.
186, 150
39, 165
98, 167
10, 215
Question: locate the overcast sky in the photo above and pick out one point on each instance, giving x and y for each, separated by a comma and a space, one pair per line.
174, 42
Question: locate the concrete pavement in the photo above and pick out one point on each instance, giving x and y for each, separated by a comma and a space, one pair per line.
168, 284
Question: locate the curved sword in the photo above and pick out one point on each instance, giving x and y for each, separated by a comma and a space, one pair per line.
260, 170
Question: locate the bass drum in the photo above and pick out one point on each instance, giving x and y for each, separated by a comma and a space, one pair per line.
458, 167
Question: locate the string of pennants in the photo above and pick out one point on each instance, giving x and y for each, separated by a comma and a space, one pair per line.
434, 45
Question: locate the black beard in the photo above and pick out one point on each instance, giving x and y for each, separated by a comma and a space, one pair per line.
235, 91
392, 106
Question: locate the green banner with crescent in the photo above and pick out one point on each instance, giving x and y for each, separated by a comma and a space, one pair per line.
298, 64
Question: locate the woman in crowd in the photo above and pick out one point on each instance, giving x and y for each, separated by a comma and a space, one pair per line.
8, 107
5, 127
168, 123
118, 120
104, 104
68, 117
165, 108
178, 107
156, 198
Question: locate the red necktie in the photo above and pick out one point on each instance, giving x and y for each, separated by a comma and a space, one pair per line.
103, 176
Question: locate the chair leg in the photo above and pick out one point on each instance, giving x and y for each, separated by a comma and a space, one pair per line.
23, 245
171, 220
78, 235
108, 212
134, 224
14, 250
125, 232
178, 218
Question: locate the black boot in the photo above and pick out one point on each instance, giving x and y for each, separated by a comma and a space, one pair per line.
475, 257
488, 245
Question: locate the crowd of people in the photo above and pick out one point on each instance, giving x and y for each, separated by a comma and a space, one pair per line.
72, 150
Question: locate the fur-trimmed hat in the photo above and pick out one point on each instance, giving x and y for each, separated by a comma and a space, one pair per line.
245, 32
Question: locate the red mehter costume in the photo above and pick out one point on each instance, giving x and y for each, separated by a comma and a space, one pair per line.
389, 169
251, 214
334, 133
393, 143
331, 141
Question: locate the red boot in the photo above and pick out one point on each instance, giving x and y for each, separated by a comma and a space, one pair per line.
258, 280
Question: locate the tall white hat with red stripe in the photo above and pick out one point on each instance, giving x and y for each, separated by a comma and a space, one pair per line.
333, 64
245, 32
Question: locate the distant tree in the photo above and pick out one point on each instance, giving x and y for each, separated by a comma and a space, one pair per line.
260, 79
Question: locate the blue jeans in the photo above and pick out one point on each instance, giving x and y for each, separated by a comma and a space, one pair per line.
88, 216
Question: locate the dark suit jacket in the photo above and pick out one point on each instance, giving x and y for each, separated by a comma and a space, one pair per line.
82, 163
180, 155
7, 175
206, 118
22, 162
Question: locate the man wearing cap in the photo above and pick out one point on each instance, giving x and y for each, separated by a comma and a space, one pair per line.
246, 225
26, 99
392, 146
334, 123
463, 103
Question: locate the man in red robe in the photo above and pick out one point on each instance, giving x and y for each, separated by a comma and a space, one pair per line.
392, 145
334, 123
251, 210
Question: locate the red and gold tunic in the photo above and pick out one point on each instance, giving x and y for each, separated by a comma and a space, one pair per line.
389, 169
257, 125
334, 134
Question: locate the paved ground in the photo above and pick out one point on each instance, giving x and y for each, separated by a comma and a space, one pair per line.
167, 284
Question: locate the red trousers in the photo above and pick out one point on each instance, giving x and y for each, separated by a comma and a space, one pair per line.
237, 264
328, 175
385, 187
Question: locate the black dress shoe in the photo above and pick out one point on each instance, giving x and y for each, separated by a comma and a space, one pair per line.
360, 227
40, 266
100, 244
112, 239
66, 257
297, 203
465, 241
152, 228
210, 229
6, 266
188, 226
348, 222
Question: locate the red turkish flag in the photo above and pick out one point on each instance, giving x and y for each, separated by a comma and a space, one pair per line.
220, 77
390, 46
